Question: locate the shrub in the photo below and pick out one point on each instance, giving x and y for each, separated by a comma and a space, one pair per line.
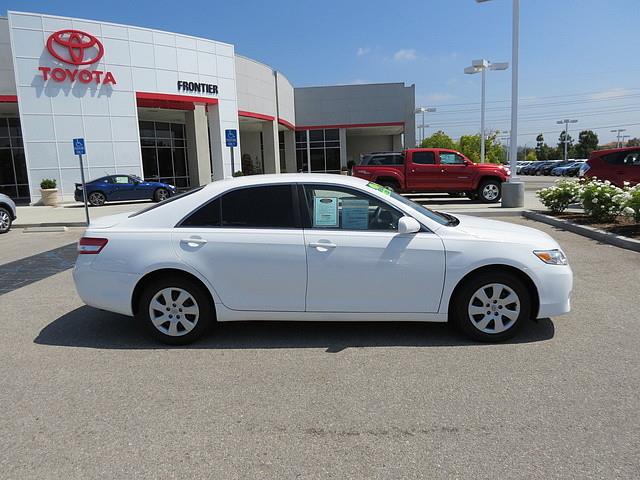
238, 174
601, 200
630, 202
47, 183
558, 197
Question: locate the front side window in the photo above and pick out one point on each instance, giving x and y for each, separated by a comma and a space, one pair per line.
121, 179
340, 208
424, 158
269, 206
632, 158
450, 158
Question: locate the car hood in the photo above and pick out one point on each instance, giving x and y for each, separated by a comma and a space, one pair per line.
502, 232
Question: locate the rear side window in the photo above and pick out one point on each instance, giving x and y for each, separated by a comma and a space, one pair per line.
424, 158
268, 206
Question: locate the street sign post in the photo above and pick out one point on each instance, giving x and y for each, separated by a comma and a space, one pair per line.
231, 138
79, 149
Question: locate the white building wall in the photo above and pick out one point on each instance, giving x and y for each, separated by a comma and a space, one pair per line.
256, 87
286, 101
7, 79
141, 60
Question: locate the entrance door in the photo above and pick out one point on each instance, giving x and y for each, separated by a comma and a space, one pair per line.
357, 261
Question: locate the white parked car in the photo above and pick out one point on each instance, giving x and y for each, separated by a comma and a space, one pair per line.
316, 247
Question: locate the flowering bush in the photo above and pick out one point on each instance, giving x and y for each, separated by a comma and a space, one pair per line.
601, 200
630, 201
558, 197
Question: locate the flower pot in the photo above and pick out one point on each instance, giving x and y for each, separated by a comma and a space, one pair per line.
49, 197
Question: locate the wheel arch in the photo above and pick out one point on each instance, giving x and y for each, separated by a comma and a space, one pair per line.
163, 272
387, 177
526, 279
6, 207
484, 178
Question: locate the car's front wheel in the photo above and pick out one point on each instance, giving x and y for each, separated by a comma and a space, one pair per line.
490, 191
97, 199
176, 311
5, 220
491, 307
161, 194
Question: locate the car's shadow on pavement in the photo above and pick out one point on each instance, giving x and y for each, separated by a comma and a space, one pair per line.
88, 327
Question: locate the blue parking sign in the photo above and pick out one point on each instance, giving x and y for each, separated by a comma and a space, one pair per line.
231, 137
78, 146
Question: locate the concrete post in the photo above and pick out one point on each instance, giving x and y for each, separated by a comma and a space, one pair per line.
343, 146
199, 156
290, 151
221, 117
271, 147
397, 143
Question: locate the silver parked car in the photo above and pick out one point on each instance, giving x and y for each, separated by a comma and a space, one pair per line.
7, 213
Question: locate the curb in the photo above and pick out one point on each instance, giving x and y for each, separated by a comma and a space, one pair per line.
585, 231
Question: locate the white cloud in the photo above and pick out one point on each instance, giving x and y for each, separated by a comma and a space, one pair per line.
405, 55
611, 93
362, 51
439, 97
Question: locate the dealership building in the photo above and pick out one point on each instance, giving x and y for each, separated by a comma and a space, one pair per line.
159, 105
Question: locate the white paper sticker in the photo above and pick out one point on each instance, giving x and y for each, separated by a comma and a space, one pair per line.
355, 214
325, 212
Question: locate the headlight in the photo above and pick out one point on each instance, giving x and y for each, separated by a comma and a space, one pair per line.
552, 257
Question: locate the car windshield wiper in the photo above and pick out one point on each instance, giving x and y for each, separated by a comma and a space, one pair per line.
451, 220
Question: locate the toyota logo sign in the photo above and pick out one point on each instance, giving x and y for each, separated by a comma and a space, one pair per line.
75, 47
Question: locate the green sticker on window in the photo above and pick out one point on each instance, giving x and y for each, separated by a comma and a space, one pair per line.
379, 188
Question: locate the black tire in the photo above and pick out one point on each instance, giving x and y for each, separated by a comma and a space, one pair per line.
201, 298
160, 194
459, 307
390, 184
5, 220
490, 191
97, 199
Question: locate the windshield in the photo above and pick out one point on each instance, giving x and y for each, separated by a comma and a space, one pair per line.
441, 218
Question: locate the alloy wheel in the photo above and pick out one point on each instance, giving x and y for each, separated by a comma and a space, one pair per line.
174, 311
490, 191
162, 194
5, 221
494, 308
96, 198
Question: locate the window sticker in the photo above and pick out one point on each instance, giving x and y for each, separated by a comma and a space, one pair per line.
379, 188
355, 214
325, 212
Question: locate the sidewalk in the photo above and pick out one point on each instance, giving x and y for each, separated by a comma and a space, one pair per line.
72, 214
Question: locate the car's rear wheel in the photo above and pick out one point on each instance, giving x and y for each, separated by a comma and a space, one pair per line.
5, 220
176, 311
97, 199
161, 194
490, 191
491, 307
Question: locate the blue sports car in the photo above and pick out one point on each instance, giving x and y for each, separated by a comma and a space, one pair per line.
123, 187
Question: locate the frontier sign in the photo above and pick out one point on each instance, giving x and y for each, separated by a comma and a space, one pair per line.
76, 48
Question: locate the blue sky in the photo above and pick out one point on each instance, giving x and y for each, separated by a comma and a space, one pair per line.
578, 58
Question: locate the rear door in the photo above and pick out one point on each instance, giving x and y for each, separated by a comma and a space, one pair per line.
456, 173
422, 171
249, 244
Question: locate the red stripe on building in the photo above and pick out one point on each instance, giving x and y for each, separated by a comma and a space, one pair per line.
8, 99
259, 116
284, 123
351, 125
176, 102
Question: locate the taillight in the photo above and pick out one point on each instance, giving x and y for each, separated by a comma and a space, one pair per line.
90, 245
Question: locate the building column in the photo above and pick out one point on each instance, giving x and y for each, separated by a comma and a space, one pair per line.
271, 147
342, 132
198, 154
221, 117
397, 142
290, 151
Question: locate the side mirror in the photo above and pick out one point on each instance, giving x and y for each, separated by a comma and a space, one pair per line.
408, 225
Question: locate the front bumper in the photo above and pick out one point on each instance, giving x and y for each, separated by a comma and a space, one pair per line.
555, 283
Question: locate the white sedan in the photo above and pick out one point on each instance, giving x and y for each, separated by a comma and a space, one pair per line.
316, 247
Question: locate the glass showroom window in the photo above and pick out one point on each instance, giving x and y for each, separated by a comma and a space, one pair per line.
13, 167
301, 151
324, 150
164, 153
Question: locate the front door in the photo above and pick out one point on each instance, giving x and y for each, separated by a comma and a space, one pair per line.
249, 244
455, 170
357, 261
423, 173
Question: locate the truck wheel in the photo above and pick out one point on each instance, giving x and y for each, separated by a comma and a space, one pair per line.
390, 184
490, 191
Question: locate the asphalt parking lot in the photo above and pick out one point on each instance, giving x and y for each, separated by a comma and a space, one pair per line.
87, 394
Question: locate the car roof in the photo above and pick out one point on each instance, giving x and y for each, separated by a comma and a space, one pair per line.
250, 180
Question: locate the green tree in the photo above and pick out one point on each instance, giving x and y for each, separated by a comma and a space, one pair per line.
570, 147
587, 143
633, 142
439, 140
531, 156
543, 151
469, 145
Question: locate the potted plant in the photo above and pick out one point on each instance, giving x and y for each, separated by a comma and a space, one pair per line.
49, 192
344, 171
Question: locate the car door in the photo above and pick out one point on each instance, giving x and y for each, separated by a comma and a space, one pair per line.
249, 244
357, 261
123, 188
455, 171
423, 173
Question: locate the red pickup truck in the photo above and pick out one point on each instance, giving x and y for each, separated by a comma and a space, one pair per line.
433, 170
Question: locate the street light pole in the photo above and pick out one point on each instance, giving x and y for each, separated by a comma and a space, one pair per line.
566, 122
618, 131
422, 110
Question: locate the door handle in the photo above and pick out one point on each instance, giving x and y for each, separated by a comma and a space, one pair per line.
413, 170
322, 246
194, 242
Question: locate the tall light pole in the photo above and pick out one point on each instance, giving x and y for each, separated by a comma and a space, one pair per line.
513, 189
618, 131
481, 66
422, 110
624, 137
566, 122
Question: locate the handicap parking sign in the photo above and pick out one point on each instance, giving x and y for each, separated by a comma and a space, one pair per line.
231, 137
78, 146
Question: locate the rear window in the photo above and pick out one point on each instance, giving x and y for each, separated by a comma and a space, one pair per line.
424, 158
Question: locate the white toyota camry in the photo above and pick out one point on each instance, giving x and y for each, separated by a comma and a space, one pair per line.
316, 247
